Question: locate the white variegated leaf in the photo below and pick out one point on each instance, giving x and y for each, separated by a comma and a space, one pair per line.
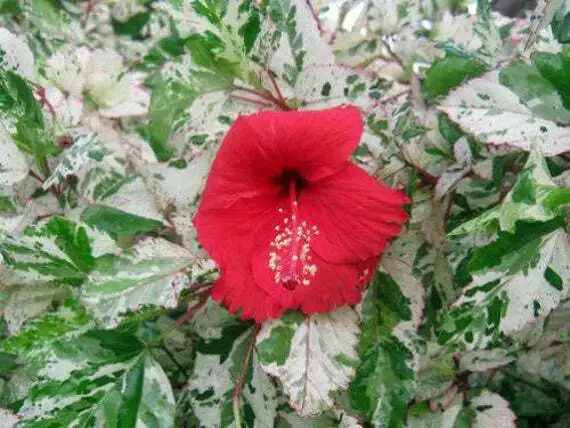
13, 164
535, 174
316, 359
220, 360
494, 303
85, 149
9, 419
439, 419
156, 275
17, 56
27, 302
540, 295
109, 390
493, 114
481, 361
134, 198
492, 410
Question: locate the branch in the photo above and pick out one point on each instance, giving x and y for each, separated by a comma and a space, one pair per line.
252, 101
202, 299
392, 54
237, 391
315, 16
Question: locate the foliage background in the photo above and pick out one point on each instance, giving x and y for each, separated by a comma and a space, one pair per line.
110, 114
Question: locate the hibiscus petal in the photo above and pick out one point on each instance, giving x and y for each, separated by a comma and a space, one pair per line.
237, 290
261, 146
334, 286
355, 214
226, 233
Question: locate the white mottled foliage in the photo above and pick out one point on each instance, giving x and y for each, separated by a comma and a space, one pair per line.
492, 113
315, 366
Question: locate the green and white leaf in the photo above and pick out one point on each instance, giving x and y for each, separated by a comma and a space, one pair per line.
154, 274
485, 410
134, 198
119, 385
493, 114
220, 359
534, 197
85, 148
386, 376
481, 361
20, 304
13, 164
312, 357
493, 304
492, 410
15, 55
37, 339
57, 250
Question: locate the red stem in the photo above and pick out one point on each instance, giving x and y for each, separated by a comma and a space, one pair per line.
202, 299
196, 287
241, 380
315, 16
40, 180
44, 101
281, 101
89, 10
36, 176
252, 101
263, 95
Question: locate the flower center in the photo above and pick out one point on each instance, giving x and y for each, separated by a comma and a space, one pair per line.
289, 251
288, 176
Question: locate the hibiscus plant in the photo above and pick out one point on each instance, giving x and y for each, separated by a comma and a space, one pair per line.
284, 213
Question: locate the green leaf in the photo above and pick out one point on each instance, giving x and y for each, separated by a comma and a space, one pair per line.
118, 223
133, 26
36, 341
448, 129
31, 138
60, 249
122, 385
17, 98
385, 379
556, 69
514, 251
167, 48
7, 205
448, 73
17, 102
11, 7
169, 102
251, 29
221, 71
277, 346
538, 93
561, 28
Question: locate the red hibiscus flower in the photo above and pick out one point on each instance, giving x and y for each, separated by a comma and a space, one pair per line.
292, 223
